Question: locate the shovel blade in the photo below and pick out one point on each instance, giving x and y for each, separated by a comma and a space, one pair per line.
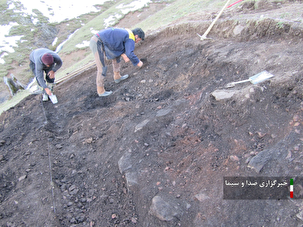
260, 77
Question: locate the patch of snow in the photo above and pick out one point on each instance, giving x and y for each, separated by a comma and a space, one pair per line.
93, 31
7, 42
58, 10
133, 6
110, 21
83, 44
125, 9
55, 41
1, 58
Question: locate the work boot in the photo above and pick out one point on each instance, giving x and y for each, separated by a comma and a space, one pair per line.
101, 91
106, 93
44, 97
118, 78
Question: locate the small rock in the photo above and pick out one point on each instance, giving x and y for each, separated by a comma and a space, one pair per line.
296, 148
73, 221
134, 220
163, 210
247, 155
59, 146
201, 197
222, 94
234, 158
71, 188
238, 29
22, 177
88, 140
2, 142
141, 125
300, 215
163, 112
296, 118
288, 155
261, 135
131, 179
125, 162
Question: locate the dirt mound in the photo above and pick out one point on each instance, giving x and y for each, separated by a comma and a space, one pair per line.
155, 152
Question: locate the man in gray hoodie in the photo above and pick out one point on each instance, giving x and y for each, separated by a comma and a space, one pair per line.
45, 60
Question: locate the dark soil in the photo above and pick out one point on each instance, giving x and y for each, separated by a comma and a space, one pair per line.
163, 135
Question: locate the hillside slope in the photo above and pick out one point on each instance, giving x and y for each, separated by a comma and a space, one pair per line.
155, 152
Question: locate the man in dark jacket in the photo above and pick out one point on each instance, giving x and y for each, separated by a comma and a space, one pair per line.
114, 43
45, 60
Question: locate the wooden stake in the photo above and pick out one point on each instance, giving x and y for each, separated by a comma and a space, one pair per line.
212, 24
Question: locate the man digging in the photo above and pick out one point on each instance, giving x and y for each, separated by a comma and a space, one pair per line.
114, 43
45, 60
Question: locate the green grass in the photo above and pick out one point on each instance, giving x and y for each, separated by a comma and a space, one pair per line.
3, 2
177, 10
13, 101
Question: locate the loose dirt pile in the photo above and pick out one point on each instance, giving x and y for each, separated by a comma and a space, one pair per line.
155, 152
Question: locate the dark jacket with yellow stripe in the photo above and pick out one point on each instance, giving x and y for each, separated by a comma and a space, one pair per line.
118, 41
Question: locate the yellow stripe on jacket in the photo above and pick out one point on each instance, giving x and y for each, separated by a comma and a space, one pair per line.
131, 34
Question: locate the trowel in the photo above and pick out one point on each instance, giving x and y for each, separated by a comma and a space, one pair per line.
258, 78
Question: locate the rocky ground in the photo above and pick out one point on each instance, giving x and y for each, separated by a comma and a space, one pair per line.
155, 152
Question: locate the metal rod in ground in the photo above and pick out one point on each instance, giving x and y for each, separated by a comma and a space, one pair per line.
49, 163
